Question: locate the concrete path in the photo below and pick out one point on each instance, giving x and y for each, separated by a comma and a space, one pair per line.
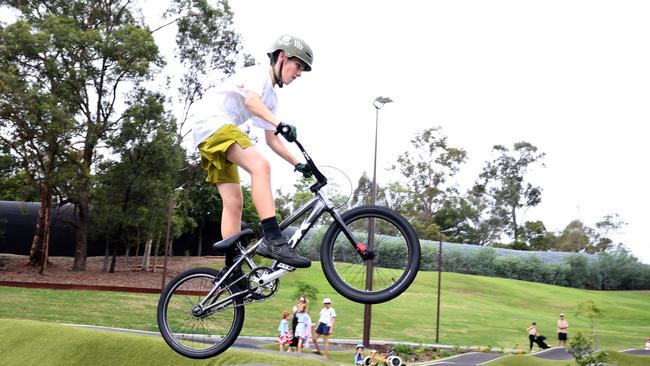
637, 352
555, 354
468, 359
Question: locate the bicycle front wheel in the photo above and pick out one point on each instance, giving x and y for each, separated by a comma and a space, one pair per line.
396, 260
188, 329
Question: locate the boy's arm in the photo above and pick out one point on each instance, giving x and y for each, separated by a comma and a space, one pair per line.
276, 144
254, 104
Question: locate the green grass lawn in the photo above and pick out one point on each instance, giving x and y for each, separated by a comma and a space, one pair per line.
475, 311
54, 344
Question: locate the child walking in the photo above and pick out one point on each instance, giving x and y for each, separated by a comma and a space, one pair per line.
284, 336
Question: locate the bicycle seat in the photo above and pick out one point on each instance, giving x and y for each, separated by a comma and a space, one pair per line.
242, 236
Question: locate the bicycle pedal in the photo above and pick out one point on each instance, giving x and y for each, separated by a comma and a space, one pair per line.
286, 267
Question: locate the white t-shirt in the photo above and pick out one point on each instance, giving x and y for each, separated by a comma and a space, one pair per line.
225, 103
326, 316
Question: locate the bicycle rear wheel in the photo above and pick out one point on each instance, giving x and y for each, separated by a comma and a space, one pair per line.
188, 330
396, 249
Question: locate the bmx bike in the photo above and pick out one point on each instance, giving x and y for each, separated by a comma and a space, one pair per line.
369, 254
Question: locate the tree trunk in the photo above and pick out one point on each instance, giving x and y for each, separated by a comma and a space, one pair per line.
107, 252
146, 256
114, 258
515, 228
127, 252
38, 249
200, 252
81, 250
46, 239
155, 253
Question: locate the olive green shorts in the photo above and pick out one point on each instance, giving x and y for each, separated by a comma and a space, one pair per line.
213, 154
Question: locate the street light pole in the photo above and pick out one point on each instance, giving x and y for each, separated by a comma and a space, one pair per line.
439, 283
378, 103
367, 310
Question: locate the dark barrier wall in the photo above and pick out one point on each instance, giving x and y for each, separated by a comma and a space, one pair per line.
18, 222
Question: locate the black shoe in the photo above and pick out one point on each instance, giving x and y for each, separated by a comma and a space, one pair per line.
280, 250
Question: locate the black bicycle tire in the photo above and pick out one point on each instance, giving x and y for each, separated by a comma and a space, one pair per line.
386, 294
237, 324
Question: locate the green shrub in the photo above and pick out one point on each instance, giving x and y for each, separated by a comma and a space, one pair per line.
581, 348
307, 290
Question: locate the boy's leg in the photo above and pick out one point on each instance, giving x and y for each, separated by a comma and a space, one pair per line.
233, 201
256, 165
274, 245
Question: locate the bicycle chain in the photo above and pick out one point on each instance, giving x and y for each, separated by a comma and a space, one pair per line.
248, 299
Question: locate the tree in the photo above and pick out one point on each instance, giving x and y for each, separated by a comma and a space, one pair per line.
575, 237
600, 241
134, 190
503, 182
591, 311
76, 61
14, 185
426, 167
537, 237
205, 205
582, 349
362, 194
35, 113
479, 227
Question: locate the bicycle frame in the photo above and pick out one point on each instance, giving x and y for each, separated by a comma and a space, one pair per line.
315, 208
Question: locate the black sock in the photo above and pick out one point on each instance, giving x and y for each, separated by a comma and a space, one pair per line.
271, 228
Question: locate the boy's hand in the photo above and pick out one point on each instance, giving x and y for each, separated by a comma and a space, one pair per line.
304, 169
288, 131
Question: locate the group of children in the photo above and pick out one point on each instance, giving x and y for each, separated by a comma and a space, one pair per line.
302, 327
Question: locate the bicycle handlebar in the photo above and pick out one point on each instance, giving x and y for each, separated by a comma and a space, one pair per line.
321, 181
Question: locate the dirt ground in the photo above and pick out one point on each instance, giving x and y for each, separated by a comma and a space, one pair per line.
58, 271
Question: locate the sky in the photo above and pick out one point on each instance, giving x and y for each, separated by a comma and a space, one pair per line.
570, 77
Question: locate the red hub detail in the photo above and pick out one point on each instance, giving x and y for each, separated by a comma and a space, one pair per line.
361, 247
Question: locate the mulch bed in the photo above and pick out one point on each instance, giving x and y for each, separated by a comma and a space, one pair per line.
127, 277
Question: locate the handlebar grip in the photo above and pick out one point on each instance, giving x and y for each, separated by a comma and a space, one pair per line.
281, 129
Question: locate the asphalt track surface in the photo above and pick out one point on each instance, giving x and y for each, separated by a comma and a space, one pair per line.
468, 359
555, 354
637, 352
465, 359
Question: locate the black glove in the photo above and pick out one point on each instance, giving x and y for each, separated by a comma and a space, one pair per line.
288, 131
304, 169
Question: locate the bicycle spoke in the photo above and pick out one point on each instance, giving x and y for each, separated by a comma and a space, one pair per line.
191, 329
393, 255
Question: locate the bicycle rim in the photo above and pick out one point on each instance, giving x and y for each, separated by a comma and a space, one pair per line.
396, 261
201, 336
